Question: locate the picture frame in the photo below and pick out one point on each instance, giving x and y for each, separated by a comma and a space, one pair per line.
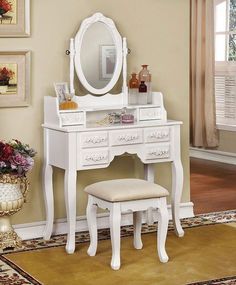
15, 78
61, 89
107, 61
15, 18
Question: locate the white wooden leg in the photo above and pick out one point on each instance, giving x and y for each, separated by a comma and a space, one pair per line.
137, 217
149, 175
70, 200
163, 219
49, 200
115, 218
91, 212
177, 187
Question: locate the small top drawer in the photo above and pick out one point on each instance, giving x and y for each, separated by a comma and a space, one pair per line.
156, 135
126, 137
95, 139
70, 119
149, 113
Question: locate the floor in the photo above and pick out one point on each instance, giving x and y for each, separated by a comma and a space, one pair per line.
213, 186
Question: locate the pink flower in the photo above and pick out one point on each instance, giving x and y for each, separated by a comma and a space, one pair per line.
21, 162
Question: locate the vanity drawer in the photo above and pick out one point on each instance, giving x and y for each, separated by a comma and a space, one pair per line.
152, 135
95, 157
149, 113
72, 119
154, 152
94, 139
126, 137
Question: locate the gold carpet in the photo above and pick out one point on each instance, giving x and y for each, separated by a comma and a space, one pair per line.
204, 253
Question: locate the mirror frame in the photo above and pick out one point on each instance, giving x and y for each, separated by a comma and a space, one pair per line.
98, 17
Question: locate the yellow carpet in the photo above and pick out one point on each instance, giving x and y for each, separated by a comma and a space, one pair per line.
204, 253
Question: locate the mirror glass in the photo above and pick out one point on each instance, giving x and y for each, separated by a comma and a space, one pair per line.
98, 55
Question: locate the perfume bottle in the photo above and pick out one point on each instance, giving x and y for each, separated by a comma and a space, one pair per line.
142, 97
145, 75
133, 89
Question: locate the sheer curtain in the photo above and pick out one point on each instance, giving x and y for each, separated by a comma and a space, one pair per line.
203, 132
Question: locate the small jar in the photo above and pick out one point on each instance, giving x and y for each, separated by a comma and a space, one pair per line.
145, 75
127, 118
142, 96
133, 89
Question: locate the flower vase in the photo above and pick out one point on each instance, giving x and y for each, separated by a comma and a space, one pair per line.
13, 192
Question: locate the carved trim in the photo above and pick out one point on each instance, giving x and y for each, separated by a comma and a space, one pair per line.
9, 239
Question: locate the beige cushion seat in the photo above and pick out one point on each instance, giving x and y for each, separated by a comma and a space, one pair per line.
119, 190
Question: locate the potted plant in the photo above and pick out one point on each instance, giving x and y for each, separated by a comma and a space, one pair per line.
16, 159
5, 6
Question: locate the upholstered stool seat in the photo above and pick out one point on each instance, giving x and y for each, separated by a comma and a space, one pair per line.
121, 195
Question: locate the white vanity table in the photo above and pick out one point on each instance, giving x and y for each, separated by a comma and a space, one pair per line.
76, 140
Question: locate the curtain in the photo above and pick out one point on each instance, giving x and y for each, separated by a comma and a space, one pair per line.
203, 132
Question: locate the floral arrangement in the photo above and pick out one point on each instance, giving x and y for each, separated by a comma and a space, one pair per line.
5, 6
15, 158
6, 74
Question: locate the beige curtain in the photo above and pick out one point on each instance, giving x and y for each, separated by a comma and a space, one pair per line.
203, 132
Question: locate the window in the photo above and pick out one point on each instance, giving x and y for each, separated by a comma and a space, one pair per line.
225, 57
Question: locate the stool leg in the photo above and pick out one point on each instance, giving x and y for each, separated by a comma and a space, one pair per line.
92, 226
163, 219
115, 218
137, 217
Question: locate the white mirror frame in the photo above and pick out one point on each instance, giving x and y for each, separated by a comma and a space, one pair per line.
75, 50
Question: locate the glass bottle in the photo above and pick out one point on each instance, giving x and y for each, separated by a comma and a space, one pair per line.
142, 98
145, 75
133, 89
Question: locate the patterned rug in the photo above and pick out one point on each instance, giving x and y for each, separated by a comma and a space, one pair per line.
10, 274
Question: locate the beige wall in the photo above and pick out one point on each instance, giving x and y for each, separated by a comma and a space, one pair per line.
158, 34
227, 141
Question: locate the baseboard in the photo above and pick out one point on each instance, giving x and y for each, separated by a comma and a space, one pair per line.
35, 230
214, 155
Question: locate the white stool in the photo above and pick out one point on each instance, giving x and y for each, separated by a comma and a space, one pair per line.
122, 195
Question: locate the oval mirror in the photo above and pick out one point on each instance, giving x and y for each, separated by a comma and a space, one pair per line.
98, 54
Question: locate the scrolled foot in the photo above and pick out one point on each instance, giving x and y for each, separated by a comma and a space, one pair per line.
70, 249
91, 251
115, 265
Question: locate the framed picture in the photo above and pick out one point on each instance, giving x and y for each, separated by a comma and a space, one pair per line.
61, 90
14, 78
14, 18
107, 61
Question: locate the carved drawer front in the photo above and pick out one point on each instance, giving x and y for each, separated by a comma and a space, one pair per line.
95, 156
146, 114
94, 139
156, 135
72, 119
157, 152
125, 137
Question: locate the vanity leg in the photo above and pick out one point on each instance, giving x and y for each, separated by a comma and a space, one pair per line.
177, 187
70, 200
149, 175
49, 200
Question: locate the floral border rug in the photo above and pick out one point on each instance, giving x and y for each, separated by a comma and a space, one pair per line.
10, 274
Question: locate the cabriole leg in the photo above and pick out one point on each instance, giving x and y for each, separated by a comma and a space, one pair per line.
91, 212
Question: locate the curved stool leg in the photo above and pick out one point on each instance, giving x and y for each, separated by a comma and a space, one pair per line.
162, 230
115, 218
91, 211
137, 217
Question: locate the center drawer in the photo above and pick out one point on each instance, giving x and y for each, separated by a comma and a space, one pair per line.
126, 137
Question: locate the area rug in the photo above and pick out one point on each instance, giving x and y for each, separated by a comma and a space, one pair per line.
40, 259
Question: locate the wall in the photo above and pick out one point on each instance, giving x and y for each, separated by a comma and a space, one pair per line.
158, 34
227, 141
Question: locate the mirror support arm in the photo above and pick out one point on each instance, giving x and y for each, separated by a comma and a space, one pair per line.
125, 88
72, 71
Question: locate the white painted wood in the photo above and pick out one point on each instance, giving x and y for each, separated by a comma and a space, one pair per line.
152, 135
137, 217
36, 229
85, 25
149, 113
116, 208
72, 56
48, 189
177, 182
125, 87
162, 230
115, 218
91, 212
149, 175
214, 155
